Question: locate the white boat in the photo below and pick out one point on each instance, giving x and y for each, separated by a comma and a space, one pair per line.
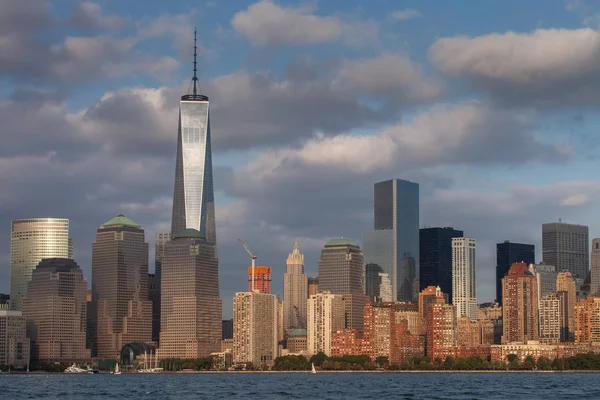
314, 371
148, 365
117, 371
74, 369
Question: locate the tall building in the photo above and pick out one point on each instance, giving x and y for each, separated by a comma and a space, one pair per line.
565, 283
463, 277
325, 317
31, 241
428, 296
160, 243
378, 284
550, 318
545, 276
313, 285
567, 247
441, 328
227, 329
120, 286
435, 254
262, 279
588, 321
595, 270
255, 328
508, 253
193, 195
380, 330
341, 272
393, 244
55, 308
14, 343
295, 290
468, 332
190, 325
4, 298
520, 310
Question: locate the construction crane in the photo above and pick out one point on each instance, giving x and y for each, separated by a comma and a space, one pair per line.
253, 256
300, 323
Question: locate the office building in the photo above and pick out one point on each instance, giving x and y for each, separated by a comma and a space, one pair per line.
378, 284
295, 290
520, 308
595, 270
566, 246
508, 253
550, 318
588, 321
154, 297
259, 279
565, 286
545, 276
297, 341
393, 244
31, 241
227, 329
436, 258
325, 316
341, 272
255, 328
55, 309
14, 343
190, 325
463, 277
441, 328
160, 243
313, 285
120, 286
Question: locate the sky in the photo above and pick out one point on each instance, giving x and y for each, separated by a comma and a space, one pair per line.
492, 107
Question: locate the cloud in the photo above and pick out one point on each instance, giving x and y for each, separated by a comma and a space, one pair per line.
406, 14
89, 15
544, 67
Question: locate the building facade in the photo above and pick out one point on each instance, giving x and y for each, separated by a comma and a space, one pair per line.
14, 343
508, 253
261, 278
588, 321
565, 287
325, 317
595, 268
435, 267
545, 275
441, 329
520, 309
31, 241
295, 290
313, 285
567, 247
428, 296
380, 330
393, 244
55, 308
160, 243
377, 284
464, 286
550, 318
191, 309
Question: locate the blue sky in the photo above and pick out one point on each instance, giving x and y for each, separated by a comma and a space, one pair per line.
491, 106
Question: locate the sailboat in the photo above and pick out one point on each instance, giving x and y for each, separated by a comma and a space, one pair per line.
314, 371
117, 371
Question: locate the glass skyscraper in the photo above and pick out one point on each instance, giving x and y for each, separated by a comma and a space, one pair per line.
508, 253
393, 244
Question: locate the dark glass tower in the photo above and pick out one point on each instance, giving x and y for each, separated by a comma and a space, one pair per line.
435, 247
393, 244
193, 196
508, 253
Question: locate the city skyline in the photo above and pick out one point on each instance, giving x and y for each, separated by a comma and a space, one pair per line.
120, 122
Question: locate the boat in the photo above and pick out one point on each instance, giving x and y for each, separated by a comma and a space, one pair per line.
92, 371
147, 369
74, 369
117, 371
314, 371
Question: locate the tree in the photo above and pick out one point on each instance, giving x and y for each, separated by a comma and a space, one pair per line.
382, 361
512, 357
529, 363
449, 363
319, 358
544, 364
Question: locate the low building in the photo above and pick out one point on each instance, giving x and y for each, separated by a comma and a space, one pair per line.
407, 345
531, 348
227, 344
14, 343
221, 361
489, 311
138, 355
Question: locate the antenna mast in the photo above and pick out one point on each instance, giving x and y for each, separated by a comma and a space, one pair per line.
195, 78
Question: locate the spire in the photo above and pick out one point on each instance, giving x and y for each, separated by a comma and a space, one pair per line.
296, 249
195, 78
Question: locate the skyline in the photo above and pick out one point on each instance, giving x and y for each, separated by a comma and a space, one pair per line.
96, 148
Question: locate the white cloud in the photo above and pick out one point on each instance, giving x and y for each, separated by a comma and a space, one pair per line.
89, 15
404, 15
575, 199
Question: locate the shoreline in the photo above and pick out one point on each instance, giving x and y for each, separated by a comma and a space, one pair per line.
320, 372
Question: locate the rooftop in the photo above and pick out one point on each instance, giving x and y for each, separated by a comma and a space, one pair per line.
341, 242
120, 220
297, 333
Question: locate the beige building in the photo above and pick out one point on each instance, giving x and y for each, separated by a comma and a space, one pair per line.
467, 332
325, 317
255, 328
550, 318
295, 291
31, 241
120, 286
297, 341
464, 288
595, 268
566, 283
413, 321
313, 285
55, 308
14, 343
489, 311
588, 321
190, 305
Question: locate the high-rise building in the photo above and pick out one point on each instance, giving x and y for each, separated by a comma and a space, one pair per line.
193, 194
160, 243
441, 328
378, 284
567, 247
435, 254
588, 321
313, 285
595, 270
341, 272
520, 309
261, 278
295, 290
393, 244
14, 343
31, 241
428, 296
546, 278
463, 277
550, 318
508, 253
380, 330
565, 283
4, 299
120, 286
468, 332
227, 329
190, 325
255, 328
55, 308
325, 317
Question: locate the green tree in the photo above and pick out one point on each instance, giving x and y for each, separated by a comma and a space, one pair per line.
382, 361
512, 357
449, 362
318, 359
543, 363
529, 363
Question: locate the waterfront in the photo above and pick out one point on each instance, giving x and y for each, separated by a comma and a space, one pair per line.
434, 385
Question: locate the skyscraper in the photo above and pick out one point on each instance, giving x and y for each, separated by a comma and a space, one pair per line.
393, 244
520, 309
378, 284
262, 278
325, 317
190, 304
566, 246
435, 254
464, 286
120, 286
193, 196
441, 328
341, 272
546, 278
565, 283
595, 270
295, 290
550, 318
588, 321
14, 343
31, 241
55, 308
508, 253
160, 243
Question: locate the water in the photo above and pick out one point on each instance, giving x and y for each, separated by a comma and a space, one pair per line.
322, 386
